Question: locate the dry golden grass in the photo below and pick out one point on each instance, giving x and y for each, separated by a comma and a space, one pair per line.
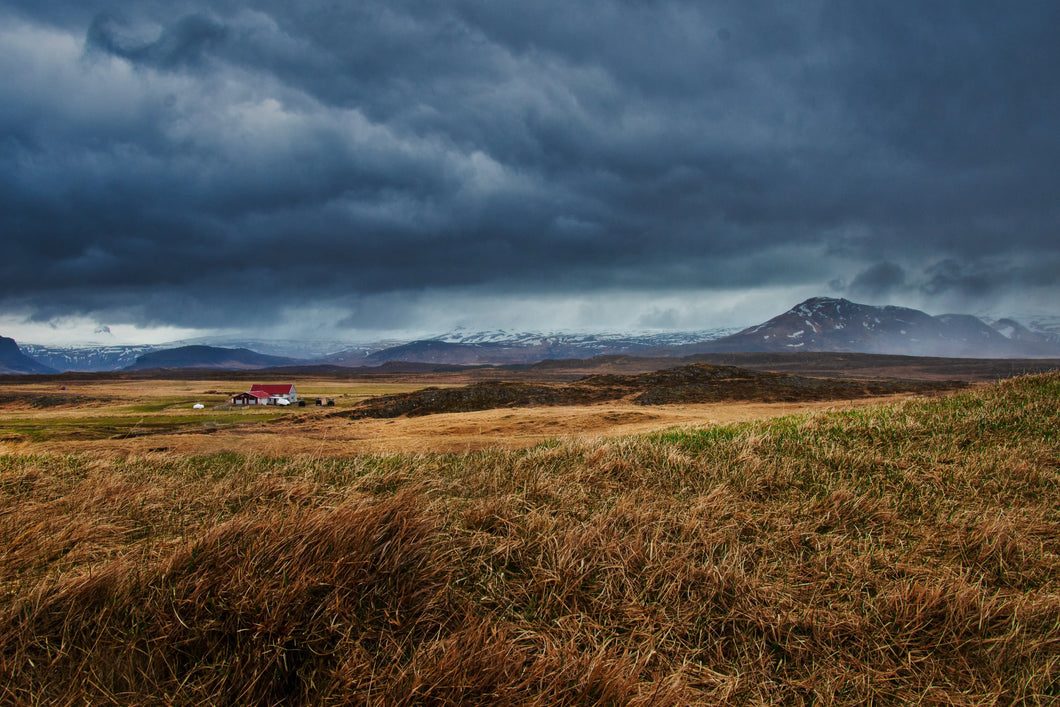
123, 417
896, 554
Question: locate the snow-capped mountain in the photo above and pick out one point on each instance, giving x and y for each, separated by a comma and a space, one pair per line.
87, 358
648, 339
1045, 324
1027, 325
828, 324
1014, 330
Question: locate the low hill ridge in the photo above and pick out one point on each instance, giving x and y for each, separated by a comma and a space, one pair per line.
689, 384
200, 356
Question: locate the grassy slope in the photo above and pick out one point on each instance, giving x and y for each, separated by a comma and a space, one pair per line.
908, 553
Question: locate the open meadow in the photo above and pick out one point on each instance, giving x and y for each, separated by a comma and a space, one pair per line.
123, 416
900, 549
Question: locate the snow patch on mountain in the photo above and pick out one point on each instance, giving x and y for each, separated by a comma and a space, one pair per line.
587, 339
87, 358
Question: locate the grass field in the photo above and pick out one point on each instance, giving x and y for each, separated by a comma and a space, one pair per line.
900, 553
123, 417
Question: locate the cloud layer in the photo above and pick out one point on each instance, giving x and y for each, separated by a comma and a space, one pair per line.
210, 165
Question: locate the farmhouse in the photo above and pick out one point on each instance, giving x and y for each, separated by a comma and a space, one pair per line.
283, 394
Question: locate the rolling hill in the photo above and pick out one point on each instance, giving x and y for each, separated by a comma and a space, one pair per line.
208, 357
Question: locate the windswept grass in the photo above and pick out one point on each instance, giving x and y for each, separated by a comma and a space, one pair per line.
899, 554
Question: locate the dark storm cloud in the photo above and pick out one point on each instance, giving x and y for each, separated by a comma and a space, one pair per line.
158, 160
877, 281
952, 277
185, 42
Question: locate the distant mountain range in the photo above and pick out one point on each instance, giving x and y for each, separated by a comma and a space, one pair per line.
509, 348
820, 324
114, 357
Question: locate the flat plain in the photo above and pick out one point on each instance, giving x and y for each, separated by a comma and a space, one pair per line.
122, 416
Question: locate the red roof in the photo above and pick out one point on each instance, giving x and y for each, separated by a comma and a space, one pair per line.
285, 389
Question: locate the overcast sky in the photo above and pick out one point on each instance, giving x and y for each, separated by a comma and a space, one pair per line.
356, 169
